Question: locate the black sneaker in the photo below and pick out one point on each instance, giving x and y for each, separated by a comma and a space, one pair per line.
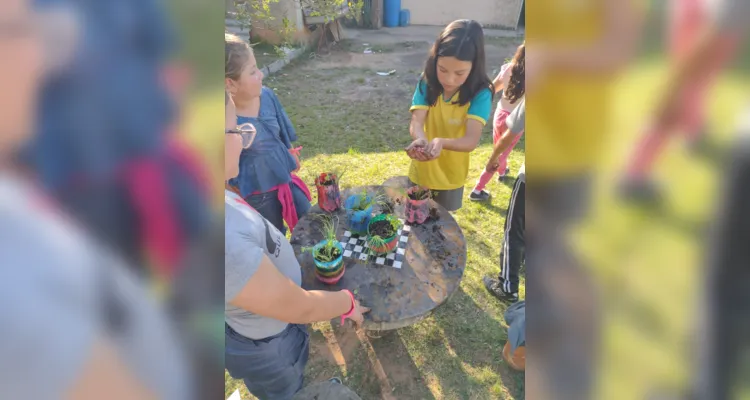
493, 286
504, 175
335, 380
481, 196
640, 191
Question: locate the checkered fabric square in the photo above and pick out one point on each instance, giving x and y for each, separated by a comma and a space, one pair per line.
355, 247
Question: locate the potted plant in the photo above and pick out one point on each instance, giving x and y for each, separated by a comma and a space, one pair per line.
359, 210
328, 254
382, 234
329, 195
417, 204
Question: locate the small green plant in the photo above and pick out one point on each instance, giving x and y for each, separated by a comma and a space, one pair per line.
381, 232
365, 201
420, 193
330, 250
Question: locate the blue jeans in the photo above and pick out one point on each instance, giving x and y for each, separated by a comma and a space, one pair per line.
272, 368
269, 206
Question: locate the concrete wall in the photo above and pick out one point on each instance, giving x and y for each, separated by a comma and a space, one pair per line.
267, 31
500, 13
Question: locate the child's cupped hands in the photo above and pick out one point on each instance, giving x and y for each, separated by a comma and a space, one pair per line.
417, 150
434, 149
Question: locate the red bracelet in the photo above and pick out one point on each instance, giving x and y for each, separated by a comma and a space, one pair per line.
351, 311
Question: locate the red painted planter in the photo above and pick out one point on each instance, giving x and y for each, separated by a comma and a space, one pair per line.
330, 280
417, 211
388, 247
329, 196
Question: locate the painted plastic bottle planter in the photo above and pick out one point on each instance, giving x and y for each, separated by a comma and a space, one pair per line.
329, 272
357, 219
329, 196
386, 245
417, 211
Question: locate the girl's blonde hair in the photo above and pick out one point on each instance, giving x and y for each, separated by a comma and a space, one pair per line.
237, 53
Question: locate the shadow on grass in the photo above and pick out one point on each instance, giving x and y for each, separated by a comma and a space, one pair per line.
493, 208
477, 340
456, 354
374, 367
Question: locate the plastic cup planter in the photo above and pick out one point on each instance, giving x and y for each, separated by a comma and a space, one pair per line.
358, 219
329, 272
385, 245
329, 195
417, 211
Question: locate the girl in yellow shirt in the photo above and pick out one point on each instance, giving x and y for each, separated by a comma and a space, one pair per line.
451, 105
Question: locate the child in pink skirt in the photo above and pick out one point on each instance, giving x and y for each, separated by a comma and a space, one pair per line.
511, 81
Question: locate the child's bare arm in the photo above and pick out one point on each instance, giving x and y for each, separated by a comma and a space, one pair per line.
416, 128
468, 142
498, 82
502, 144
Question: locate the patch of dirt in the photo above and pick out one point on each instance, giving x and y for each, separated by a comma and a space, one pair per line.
337, 346
366, 93
403, 375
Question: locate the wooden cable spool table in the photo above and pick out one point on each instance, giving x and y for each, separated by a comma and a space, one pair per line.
409, 286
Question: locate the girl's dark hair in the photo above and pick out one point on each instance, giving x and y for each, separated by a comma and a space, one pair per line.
464, 40
517, 85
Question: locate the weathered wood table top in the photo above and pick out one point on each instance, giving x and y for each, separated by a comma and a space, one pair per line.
430, 271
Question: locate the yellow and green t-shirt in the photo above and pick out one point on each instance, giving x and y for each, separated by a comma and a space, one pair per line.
447, 119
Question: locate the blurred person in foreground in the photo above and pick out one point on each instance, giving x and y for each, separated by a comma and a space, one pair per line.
107, 149
724, 300
266, 340
705, 36
575, 52
76, 323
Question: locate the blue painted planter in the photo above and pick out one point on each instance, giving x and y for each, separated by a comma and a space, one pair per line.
332, 265
358, 220
404, 18
391, 13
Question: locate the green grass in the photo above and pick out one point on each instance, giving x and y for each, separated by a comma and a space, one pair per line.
455, 353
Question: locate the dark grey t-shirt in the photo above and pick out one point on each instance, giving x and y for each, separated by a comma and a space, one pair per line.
247, 237
516, 121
